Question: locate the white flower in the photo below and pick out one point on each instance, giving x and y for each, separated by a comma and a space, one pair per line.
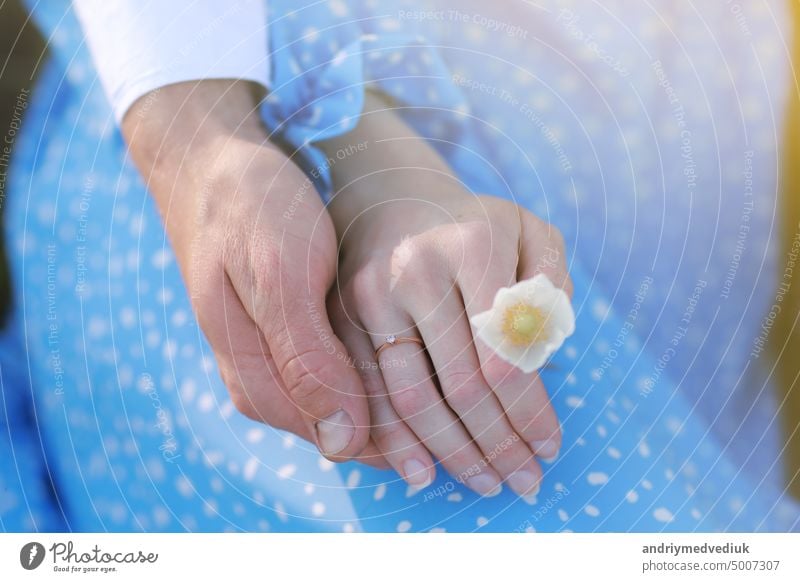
527, 322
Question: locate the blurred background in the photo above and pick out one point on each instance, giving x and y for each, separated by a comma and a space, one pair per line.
21, 52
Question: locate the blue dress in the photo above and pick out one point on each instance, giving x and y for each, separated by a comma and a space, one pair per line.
110, 391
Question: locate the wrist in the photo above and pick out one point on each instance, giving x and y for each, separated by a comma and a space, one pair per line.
179, 129
393, 162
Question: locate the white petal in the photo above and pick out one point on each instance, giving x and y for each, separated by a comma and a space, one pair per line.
481, 319
489, 329
535, 357
538, 292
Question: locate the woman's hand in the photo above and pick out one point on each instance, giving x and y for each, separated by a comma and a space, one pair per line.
257, 251
419, 257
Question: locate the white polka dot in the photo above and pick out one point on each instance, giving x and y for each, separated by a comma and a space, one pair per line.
208, 365
188, 390
389, 24
161, 516
574, 402
613, 453
287, 471
455, 497
250, 469
563, 515
179, 318
325, 465
280, 511
353, 479
206, 402
338, 7
380, 492
632, 496
227, 409
169, 350
127, 317
597, 478
481, 521
161, 258
644, 449
674, 425
210, 508
97, 327
663, 515
591, 511
318, 509
183, 486
403, 526
600, 309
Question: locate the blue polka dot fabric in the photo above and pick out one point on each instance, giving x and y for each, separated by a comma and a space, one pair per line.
111, 393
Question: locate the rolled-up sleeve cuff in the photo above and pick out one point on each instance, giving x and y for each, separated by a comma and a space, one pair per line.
139, 47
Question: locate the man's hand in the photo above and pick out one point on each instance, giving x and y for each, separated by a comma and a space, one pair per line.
258, 253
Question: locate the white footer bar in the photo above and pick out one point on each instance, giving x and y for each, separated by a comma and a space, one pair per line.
353, 557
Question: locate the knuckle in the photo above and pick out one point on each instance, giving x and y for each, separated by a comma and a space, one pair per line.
463, 464
532, 423
242, 401
307, 377
457, 373
244, 404
410, 401
556, 236
466, 396
461, 385
367, 288
389, 436
477, 236
499, 373
262, 269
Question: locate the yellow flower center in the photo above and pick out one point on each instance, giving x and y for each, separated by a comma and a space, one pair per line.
524, 324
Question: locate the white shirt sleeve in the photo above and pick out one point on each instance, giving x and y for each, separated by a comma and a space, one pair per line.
141, 45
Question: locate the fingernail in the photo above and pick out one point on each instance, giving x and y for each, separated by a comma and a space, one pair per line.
530, 499
335, 432
524, 483
486, 485
546, 450
416, 474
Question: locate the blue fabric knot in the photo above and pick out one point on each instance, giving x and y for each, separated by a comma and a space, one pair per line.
319, 79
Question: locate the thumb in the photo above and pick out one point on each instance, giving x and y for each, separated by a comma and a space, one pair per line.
319, 376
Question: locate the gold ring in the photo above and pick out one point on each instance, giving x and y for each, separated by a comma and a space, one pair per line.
393, 340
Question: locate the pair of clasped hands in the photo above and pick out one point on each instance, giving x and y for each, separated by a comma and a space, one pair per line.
295, 297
